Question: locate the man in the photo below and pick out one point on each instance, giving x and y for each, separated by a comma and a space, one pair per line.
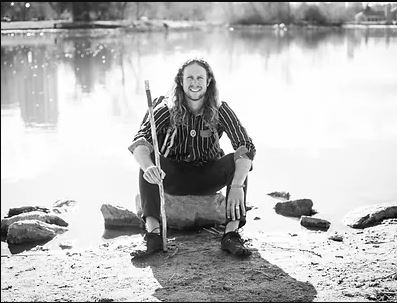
189, 123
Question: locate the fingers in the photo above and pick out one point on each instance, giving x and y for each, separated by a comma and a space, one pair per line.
237, 210
154, 175
235, 205
242, 207
240, 210
233, 210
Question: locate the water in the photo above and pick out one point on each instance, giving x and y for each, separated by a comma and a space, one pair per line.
320, 106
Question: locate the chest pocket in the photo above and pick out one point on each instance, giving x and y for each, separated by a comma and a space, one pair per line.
210, 134
205, 133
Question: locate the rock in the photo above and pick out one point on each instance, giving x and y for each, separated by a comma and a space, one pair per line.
249, 207
389, 221
295, 208
336, 237
185, 212
189, 212
314, 223
119, 217
63, 206
34, 215
65, 245
39, 248
25, 209
280, 194
371, 215
27, 231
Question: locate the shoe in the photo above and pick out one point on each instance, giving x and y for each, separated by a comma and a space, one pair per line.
232, 243
154, 242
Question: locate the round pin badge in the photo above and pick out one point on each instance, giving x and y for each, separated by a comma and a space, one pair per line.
193, 133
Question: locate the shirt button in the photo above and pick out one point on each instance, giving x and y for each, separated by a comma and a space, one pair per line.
193, 133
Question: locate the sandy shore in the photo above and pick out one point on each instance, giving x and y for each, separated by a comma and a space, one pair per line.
305, 266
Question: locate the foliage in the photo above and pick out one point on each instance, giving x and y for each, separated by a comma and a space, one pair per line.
13, 10
60, 7
88, 11
177, 10
261, 13
321, 13
313, 15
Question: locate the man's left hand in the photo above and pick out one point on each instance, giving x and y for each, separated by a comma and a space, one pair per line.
235, 204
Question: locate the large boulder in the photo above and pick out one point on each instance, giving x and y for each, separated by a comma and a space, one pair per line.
34, 215
119, 217
314, 223
371, 215
295, 208
28, 231
189, 212
186, 212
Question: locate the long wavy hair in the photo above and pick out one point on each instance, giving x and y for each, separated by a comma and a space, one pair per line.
177, 101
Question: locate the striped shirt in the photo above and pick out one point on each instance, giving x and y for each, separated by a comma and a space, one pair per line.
194, 142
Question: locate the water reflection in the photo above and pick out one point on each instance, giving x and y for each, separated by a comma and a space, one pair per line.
29, 80
29, 77
91, 61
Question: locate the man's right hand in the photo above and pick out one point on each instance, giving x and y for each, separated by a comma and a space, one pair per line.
154, 175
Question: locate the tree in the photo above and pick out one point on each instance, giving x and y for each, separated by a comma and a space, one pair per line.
60, 7
89, 11
313, 15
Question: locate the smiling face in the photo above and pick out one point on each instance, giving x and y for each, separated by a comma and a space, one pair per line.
194, 82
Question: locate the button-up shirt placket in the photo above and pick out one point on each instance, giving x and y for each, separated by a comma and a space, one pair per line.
192, 132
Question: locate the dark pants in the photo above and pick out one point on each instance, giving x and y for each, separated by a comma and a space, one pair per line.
183, 178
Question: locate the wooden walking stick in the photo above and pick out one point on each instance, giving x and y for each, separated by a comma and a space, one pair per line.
157, 161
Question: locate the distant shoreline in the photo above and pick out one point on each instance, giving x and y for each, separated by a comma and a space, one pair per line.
142, 25
155, 25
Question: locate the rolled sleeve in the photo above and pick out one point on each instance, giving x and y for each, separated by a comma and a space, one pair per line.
144, 136
241, 142
140, 141
243, 150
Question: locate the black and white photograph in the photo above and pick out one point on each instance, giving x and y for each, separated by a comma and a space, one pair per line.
198, 151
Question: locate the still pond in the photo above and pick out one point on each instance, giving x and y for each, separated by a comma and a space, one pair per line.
320, 106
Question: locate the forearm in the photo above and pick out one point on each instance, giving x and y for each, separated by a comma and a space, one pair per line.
243, 166
142, 156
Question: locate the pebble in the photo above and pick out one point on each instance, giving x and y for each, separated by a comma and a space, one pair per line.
336, 237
